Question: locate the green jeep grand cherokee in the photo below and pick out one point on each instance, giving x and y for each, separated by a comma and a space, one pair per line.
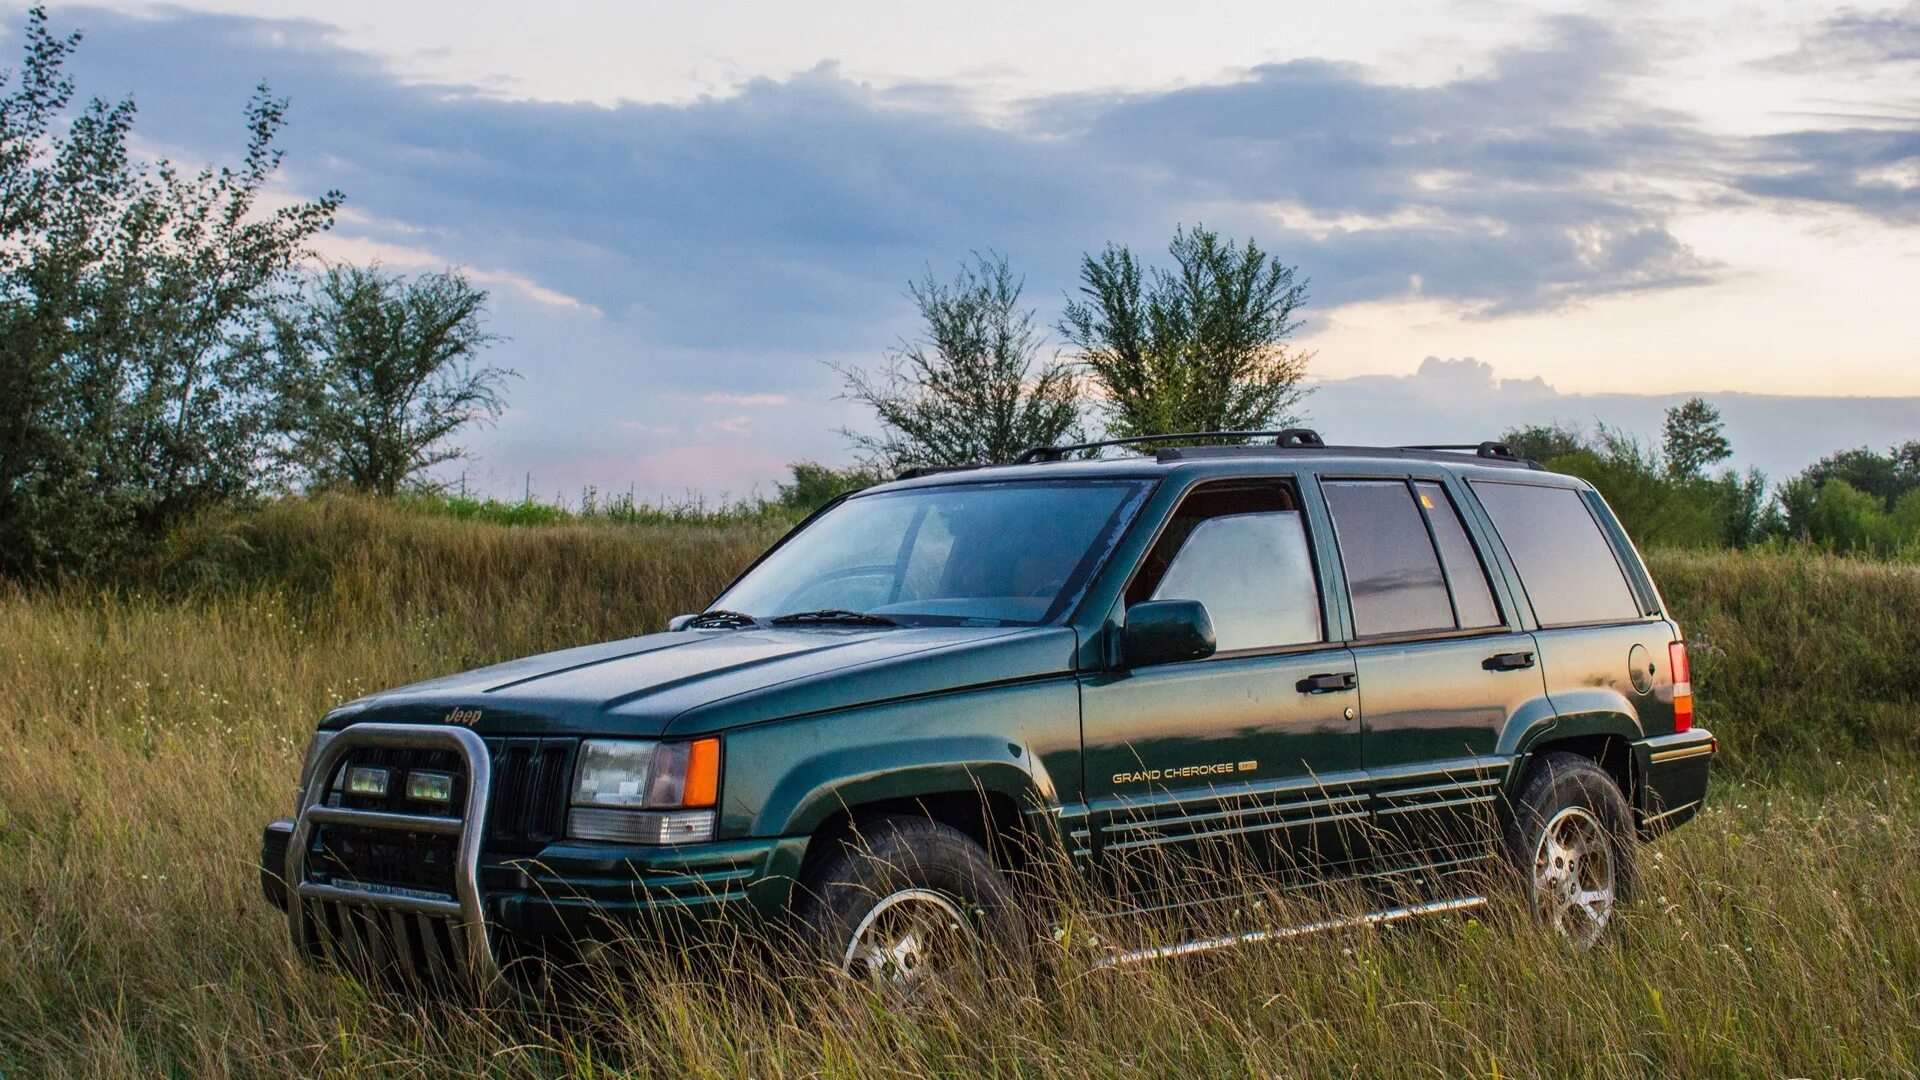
1345, 664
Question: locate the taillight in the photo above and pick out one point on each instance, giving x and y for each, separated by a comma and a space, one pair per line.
1682, 687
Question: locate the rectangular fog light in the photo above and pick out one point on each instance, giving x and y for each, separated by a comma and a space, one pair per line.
434, 787
367, 780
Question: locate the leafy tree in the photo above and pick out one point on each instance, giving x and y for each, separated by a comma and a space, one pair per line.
379, 372
975, 389
1845, 518
1545, 442
1887, 476
128, 395
1693, 439
814, 485
1201, 347
1856, 500
1655, 506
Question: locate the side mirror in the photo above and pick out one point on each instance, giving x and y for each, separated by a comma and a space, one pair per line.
679, 622
1167, 632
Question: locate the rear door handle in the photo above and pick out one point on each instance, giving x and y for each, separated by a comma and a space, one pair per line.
1327, 684
1508, 661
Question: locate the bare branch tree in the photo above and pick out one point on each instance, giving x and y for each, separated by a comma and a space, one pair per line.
973, 390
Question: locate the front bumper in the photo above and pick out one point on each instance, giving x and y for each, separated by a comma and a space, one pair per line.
1672, 772
567, 892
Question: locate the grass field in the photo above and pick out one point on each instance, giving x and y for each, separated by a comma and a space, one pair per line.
146, 732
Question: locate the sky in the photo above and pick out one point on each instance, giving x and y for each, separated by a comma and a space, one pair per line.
687, 213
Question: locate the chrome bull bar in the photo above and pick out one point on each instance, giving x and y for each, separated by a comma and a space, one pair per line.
464, 915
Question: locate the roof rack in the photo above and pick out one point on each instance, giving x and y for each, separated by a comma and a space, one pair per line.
1289, 438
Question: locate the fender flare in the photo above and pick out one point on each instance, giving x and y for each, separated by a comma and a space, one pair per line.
822, 785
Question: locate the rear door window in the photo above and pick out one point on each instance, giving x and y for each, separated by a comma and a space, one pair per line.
1394, 578
1568, 567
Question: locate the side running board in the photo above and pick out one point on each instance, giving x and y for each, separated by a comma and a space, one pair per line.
1252, 937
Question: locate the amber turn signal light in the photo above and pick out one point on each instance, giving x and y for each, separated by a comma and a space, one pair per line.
703, 774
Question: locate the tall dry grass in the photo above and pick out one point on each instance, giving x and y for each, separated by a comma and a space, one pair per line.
145, 733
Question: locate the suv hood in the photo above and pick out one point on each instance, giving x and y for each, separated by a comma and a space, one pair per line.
689, 682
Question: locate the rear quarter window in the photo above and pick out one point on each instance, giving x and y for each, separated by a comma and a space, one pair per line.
1570, 571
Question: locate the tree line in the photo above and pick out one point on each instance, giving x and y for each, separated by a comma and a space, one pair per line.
1670, 494
1201, 346
166, 346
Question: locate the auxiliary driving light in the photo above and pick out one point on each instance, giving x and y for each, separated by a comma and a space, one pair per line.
367, 780
435, 787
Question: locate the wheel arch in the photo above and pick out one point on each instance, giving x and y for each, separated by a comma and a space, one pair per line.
1608, 745
994, 819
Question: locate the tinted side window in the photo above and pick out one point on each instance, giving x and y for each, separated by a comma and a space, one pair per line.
1472, 596
1564, 559
1393, 573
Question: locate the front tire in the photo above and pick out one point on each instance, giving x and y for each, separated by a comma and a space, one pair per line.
909, 905
1571, 840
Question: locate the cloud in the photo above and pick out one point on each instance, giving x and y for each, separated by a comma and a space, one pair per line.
639, 427
800, 200
1873, 170
749, 400
341, 247
779, 212
732, 427
649, 255
1855, 37
1525, 187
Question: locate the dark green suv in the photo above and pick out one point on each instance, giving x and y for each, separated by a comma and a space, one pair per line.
1338, 664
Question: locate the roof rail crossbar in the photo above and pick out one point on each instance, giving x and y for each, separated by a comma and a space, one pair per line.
1497, 450
1295, 438
919, 471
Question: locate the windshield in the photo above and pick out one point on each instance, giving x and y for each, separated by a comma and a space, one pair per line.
988, 553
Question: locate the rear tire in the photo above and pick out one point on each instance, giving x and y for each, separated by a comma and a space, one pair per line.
1571, 840
910, 906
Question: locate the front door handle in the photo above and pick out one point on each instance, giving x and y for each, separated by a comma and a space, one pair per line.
1327, 684
1508, 661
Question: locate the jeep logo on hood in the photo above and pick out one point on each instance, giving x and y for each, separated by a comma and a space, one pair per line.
467, 717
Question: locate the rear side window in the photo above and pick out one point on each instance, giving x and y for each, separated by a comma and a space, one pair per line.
1393, 573
1565, 561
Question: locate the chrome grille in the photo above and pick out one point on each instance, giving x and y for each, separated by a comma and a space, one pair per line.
530, 779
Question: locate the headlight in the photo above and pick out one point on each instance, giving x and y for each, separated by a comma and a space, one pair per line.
643, 792
314, 748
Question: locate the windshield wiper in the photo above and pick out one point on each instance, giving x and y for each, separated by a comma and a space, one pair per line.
720, 618
836, 616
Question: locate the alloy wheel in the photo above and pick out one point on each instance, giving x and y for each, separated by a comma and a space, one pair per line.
910, 940
1574, 877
